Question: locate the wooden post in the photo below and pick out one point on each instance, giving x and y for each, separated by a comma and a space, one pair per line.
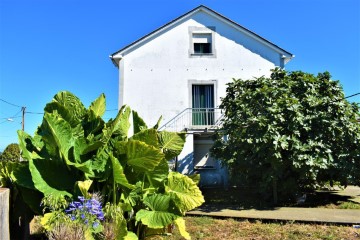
23, 118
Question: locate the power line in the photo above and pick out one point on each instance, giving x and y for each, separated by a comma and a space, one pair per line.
11, 117
353, 95
10, 103
15, 115
43, 113
35, 112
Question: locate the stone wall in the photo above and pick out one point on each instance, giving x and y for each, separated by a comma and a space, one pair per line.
4, 214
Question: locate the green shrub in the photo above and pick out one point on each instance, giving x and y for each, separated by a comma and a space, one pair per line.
76, 153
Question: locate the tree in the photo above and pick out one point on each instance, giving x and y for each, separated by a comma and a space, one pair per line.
289, 133
11, 153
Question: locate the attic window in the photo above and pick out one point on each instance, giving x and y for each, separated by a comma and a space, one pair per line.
202, 43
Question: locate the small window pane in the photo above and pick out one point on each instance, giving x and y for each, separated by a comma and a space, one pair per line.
200, 48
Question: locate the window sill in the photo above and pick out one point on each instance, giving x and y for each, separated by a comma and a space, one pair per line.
204, 167
210, 55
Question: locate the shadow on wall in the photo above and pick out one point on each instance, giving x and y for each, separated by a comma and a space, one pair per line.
209, 177
186, 165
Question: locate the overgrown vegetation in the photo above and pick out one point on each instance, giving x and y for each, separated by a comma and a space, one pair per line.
94, 181
289, 133
248, 198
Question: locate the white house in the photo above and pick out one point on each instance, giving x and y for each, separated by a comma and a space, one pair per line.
180, 71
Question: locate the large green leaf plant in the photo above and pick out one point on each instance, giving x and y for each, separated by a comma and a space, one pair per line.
74, 152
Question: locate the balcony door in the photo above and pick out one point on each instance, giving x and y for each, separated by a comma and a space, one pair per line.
203, 104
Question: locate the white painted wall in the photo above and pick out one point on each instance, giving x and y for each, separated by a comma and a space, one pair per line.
155, 76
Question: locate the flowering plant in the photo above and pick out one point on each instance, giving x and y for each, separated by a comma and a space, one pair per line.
88, 212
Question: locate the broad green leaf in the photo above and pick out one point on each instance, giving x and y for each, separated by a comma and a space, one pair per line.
119, 126
57, 132
195, 177
68, 106
45, 220
180, 223
32, 198
78, 157
130, 236
84, 187
99, 163
92, 124
51, 177
118, 173
55, 107
90, 147
77, 149
183, 191
158, 216
171, 143
22, 175
141, 156
85, 167
157, 125
99, 105
159, 174
25, 142
71, 103
22, 136
148, 136
138, 122
135, 195
120, 230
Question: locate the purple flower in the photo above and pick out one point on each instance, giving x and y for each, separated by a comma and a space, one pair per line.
95, 224
85, 210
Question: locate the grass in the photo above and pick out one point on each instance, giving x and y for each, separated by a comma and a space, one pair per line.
343, 205
214, 229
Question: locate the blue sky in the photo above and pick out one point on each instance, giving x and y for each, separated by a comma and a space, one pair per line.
47, 46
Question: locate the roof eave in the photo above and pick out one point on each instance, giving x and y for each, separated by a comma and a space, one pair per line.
123, 51
115, 59
149, 35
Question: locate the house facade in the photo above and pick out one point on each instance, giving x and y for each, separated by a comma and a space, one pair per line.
180, 72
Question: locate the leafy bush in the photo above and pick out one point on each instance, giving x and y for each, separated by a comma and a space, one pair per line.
75, 153
11, 153
289, 133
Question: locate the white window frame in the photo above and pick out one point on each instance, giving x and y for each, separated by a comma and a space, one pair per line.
192, 82
201, 30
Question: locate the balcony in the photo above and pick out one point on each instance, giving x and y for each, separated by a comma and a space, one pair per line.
195, 119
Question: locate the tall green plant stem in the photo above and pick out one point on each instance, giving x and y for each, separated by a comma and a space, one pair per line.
114, 192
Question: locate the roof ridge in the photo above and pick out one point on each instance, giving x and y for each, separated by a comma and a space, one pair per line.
193, 11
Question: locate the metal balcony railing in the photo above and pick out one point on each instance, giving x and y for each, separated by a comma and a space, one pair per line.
194, 119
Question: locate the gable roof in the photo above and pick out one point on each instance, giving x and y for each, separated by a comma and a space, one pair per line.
116, 57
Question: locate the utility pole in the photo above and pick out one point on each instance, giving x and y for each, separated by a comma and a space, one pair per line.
23, 118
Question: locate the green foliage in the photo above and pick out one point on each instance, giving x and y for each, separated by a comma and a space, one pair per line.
290, 132
75, 152
11, 153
